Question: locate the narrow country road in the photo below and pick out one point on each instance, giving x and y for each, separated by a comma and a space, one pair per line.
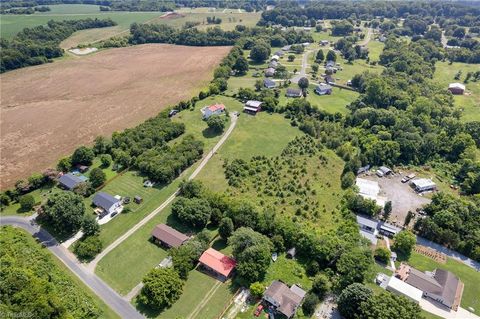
121, 306
93, 264
367, 38
303, 70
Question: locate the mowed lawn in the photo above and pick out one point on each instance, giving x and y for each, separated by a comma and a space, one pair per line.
203, 297
375, 48
470, 102
467, 275
12, 24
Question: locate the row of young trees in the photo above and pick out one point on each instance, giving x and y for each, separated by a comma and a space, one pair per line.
40, 44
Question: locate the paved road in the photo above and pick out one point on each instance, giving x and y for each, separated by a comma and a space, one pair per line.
121, 306
93, 264
303, 70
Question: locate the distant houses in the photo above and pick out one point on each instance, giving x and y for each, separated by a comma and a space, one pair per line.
456, 88
273, 64
324, 43
215, 109
69, 181
283, 299
167, 236
107, 202
323, 89
293, 93
269, 84
217, 263
252, 107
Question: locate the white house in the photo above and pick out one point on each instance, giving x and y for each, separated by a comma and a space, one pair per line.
106, 201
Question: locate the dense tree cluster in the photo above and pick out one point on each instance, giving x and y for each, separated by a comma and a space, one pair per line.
40, 44
162, 287
454, 223
161, 33
291, 13
359, 302
185, 257
33, 284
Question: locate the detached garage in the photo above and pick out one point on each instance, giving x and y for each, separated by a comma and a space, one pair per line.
423, 185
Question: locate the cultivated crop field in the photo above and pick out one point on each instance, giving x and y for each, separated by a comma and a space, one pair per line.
47, 111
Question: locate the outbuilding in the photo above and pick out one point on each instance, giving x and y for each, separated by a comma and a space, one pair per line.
383, 171
167, 236
137, 199
291, 253
456, 88
217, 263
252, 107
423, 185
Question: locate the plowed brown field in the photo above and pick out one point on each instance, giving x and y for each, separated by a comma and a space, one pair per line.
47, 111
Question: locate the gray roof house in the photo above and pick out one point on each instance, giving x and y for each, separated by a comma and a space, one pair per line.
279, 53
323, 89
293, 93
168, 236
285, 300
106, 201
368, 228
440, 285
269, 84
273, 64
270, 72
69, 181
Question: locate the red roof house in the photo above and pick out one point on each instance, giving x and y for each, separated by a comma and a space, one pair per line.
215, 109
217, 262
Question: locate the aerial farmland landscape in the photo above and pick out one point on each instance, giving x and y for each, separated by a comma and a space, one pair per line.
204, 159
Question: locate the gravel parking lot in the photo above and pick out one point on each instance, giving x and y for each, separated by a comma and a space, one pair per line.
403, 197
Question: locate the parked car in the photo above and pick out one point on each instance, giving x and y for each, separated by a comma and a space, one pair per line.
172, 113
258, 311
408, 177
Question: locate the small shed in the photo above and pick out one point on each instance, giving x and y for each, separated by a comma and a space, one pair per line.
456, 88
82, 168
383, 171
137, 199
291, 253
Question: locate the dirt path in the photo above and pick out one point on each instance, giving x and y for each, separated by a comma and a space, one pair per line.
303, 70
367, 38
49, 110
93, 264
204, 301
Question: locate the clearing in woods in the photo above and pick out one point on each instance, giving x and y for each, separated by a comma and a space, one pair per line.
70, 102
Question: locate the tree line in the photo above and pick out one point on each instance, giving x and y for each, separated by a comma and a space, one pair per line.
38, 45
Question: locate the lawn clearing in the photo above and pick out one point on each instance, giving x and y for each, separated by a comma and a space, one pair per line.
470, 102
467, 275
375, 48
66, 106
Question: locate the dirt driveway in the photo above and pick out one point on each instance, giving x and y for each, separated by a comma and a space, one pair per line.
49, 110
403, 197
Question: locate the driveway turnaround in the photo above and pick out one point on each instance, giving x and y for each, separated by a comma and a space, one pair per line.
121, 306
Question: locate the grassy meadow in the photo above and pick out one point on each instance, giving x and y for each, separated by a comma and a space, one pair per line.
469, 102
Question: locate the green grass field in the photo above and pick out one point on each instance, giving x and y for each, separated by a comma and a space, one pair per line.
467, 275
199, 287
375, 48
469, 102
12, 24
